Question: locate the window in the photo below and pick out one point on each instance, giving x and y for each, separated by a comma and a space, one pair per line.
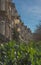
2, 4
18, 29
2, 27
17, 21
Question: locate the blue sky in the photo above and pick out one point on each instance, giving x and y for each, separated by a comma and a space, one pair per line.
30, 12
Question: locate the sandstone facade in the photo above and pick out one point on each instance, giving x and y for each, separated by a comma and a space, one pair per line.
9, 19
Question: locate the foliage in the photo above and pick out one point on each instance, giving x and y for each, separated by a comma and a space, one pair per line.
20, 54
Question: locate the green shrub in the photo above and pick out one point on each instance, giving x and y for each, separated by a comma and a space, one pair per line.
20, 54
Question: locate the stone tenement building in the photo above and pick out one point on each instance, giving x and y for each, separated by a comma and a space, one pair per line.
9, 19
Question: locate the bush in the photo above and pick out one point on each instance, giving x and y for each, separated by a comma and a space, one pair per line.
20, 54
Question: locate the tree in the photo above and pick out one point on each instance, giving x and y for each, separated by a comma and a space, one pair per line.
20, 54
37, 33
